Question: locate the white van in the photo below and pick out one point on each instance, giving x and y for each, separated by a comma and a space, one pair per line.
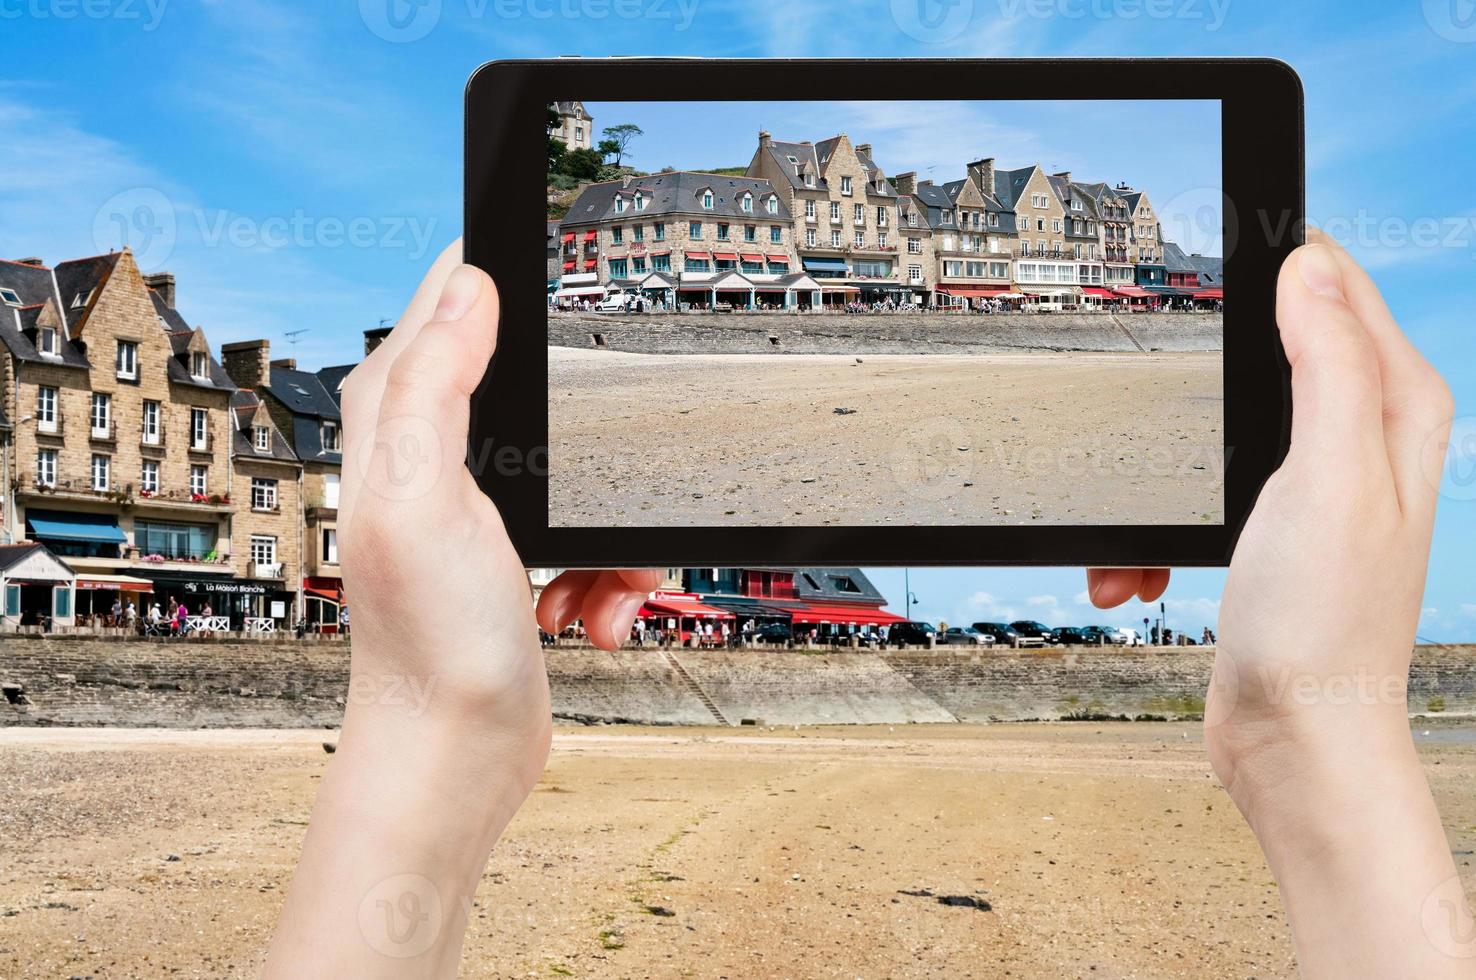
619, 301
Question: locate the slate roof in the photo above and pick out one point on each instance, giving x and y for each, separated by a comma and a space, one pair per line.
1175, 259
11, 554
677, 192
812, 158
825, 584
1211, 269
332, 379
303, 394
35, 285
1009, 184
81, 277
243, 409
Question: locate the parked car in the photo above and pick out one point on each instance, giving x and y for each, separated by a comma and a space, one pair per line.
770, 633
1002, 633
916, 634
621, 302
1031, 633
965, 636
1103, 635
1070, 636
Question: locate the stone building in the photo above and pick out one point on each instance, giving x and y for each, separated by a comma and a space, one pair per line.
304, 409
1114, 229
575, 126
1145, 247
122, 432
844, 213
268, 522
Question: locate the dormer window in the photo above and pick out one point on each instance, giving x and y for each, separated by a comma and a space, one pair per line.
199, 364
640, 201
707, 200
82, 299
261, 438
10, 296
619, 204
771, 204
46, 341
747, 202
809, 180
330, 437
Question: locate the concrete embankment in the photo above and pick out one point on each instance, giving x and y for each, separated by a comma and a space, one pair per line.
887, 333
275, 684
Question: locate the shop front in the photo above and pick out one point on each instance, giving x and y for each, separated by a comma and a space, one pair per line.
836, 622
98, 594
36, 588
238, 605
323, 600
687, 620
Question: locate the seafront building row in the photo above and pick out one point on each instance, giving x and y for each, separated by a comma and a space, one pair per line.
819, 223
148, 468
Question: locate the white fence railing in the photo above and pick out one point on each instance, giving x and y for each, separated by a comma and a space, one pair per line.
208, 624
259, 626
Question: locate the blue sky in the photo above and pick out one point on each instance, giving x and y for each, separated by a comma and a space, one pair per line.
297, 165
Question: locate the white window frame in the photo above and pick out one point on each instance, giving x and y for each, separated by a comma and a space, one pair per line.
47, 399
330, 546
846, 186
335, 443
199, 429
46, 467
46, 342
199, 480
331, 485
152, 412
261, 438
148, 478
127, 367
102, 414
263, 549
263, 493
101, 472
199, 364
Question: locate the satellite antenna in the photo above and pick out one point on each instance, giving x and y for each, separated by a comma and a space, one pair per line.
292, 335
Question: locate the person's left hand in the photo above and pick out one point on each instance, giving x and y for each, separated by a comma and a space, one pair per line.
607, 601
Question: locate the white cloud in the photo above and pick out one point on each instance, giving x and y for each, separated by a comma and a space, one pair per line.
1044, 601
1083, 598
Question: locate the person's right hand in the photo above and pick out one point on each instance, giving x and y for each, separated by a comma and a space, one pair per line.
1307, 719
607, 601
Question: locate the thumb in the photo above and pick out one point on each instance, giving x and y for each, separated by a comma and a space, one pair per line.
419, 442
1337, 417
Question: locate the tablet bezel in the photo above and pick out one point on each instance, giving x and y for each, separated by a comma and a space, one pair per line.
1263, 174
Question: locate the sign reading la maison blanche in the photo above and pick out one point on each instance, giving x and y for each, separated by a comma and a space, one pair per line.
228, 587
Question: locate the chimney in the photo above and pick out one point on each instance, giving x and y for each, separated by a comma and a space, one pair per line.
906, 183
981, 172
625, 180
290, 363
925, 183
33, 260
248, 362
373, 338
765, 137
1064, 175
864, 149
163, 284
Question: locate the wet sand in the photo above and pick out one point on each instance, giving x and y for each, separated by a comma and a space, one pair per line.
816, 439
1102, 850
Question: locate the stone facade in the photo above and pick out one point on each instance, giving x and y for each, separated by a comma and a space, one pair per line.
576, 126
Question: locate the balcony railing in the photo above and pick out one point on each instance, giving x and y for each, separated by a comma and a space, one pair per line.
266, 569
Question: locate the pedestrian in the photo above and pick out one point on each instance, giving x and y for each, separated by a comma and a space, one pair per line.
130, 616
205, 614
115, 615
343, 619
181, 619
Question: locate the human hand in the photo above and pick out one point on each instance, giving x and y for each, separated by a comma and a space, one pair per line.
1307, 719
607, 601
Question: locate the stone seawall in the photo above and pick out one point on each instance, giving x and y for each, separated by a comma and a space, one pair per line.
286, 684
890, 333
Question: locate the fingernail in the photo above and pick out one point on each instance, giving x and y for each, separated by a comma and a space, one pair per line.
624, 616
1319, 270
459, 293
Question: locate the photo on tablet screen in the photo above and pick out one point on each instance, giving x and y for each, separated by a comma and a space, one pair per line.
885, 313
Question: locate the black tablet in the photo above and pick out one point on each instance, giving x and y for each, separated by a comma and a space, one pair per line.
869, 312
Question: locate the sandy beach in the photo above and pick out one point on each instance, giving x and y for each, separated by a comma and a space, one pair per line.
814, 439
1103, 850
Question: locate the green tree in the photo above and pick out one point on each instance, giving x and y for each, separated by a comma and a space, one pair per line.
582, 164
618, 140
557, 148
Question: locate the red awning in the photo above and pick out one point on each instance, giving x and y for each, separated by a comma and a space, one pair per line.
568, 237
689, 606
972, 290
663, 252
1134, 291
324, 588
779, 258
590, 235
1097, 291
753, 257
725, 256
569, 266
843, 615
591, 263
698, 255
1210, 294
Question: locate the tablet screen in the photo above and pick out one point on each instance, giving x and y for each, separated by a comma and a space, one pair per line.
855, 314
